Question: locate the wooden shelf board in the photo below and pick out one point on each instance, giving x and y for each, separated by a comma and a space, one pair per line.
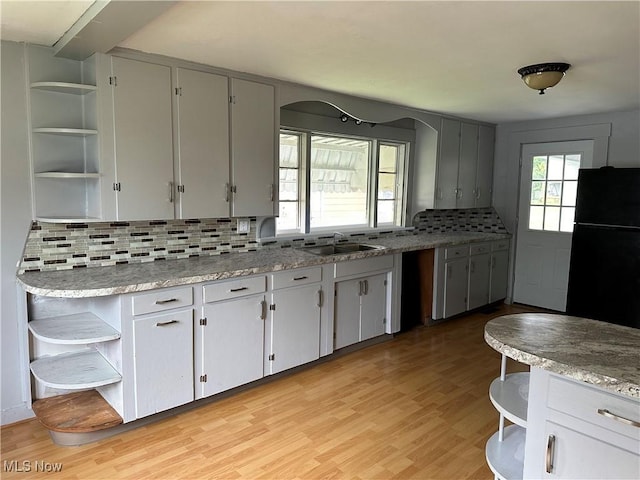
66, 219
75, 371
64, 87
76, 329
78, 412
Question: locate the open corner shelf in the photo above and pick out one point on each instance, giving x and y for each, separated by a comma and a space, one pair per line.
75, 371
75, 329
506, 458
64, 87
509, 397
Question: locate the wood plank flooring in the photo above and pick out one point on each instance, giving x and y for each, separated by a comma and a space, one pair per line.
414, 407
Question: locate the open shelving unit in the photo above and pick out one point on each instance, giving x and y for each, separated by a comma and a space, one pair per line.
504, 451
64, 138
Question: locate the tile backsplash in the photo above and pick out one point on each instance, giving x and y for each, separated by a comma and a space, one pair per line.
59, 246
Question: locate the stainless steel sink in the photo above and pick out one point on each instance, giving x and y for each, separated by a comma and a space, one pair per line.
339, 249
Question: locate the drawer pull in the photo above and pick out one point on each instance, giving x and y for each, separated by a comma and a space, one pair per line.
164, 324
606, 413
304, 277
233, 290
168, 300
551, 446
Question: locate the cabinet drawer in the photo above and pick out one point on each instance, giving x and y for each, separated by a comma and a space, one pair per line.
584, 402
479, 248
500, 245
456, 251
292, 278
234, 288
161, 300
364, 265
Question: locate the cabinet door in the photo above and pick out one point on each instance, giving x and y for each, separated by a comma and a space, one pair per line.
347, 312
295, 327
373, 310
499, 275
447, 181
202, 111
576, 455
479, 280
253, 158
143, 140
163, 361
455, 287
232, 343
484, 171
467, 165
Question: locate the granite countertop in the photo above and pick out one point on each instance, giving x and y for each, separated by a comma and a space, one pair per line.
102, 281
590, 351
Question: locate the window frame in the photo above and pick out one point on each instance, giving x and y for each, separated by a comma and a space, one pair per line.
304, 182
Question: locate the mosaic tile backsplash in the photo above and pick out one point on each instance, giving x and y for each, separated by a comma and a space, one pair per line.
56, 246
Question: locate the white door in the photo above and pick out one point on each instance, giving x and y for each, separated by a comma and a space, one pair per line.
202, 144
374, 307
456, 278
295, 328
548, 182
253, 148
143, 140
347, 308
479, 278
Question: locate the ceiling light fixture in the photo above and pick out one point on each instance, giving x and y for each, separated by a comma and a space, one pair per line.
543, 75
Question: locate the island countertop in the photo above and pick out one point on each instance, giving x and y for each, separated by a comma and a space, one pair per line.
590, 351
137, 277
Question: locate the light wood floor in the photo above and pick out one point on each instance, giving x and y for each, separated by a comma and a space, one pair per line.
414, 407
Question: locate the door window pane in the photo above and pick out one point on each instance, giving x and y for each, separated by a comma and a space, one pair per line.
553, 185
289, 208
386, 211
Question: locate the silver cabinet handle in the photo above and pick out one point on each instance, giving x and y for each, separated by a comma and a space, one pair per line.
627, 421
164, 324
170, 192
233, 290
168, 300
226, 192
320, 298
271, 192
263, 310
366, 287
296, 279
360, 288
551, 446
473, 266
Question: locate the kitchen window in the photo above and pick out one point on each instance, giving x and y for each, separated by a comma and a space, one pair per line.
352, 182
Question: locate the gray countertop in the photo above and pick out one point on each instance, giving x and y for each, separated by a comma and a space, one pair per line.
591, 351
102, 281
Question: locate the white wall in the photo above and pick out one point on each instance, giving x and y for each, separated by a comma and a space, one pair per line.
15, 218
616, 143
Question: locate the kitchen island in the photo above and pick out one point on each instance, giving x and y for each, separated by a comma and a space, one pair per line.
577, 415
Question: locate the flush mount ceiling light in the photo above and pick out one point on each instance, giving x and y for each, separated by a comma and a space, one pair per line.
543, 75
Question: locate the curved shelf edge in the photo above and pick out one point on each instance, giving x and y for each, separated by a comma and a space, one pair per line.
66, 219
510, 397
506, 458
64, 87
76, 329
76, 132
70, 175
75, 371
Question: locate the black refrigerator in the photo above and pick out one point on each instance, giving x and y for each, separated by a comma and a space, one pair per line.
604, 273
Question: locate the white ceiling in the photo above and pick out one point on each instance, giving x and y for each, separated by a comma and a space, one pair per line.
452, 57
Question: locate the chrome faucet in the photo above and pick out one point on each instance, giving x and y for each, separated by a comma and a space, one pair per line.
335, 237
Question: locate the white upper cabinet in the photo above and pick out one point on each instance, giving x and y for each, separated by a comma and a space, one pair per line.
465, 165
253, 148
142, 139
202, 144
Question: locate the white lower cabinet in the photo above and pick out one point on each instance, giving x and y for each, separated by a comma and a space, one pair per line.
163, 361
469, 276
362, 304
580, 431
232, 336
